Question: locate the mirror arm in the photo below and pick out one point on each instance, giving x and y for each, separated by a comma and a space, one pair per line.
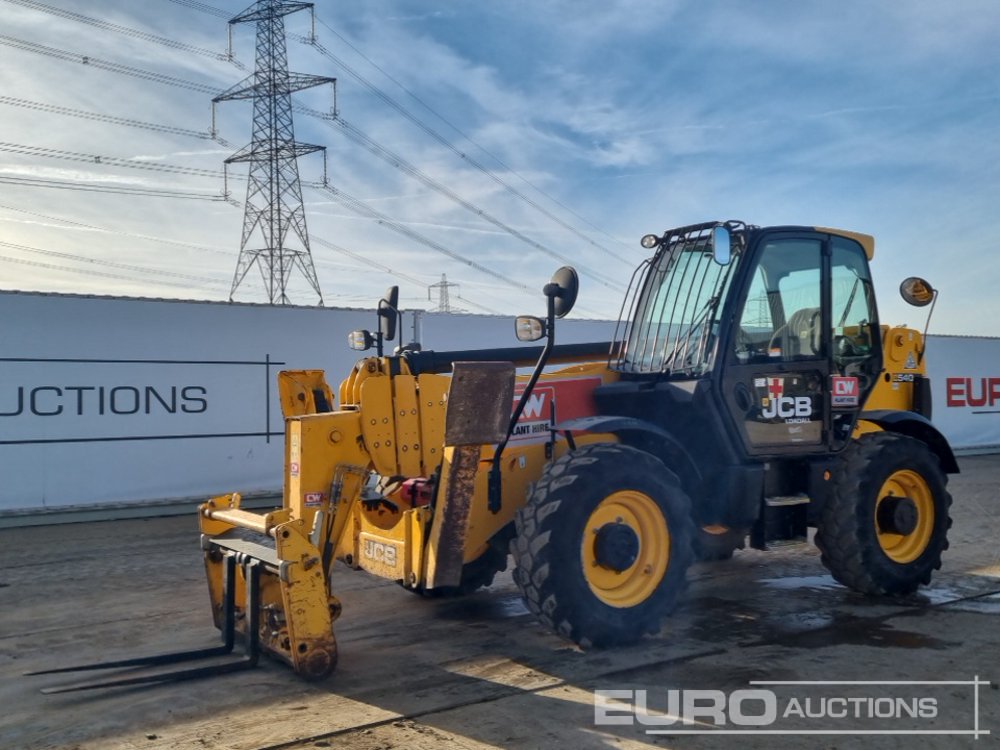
494, 485
927, 325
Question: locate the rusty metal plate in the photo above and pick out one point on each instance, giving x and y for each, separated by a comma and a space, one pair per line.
479, 403
446, 549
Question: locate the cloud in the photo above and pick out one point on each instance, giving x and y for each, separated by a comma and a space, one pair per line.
634, 115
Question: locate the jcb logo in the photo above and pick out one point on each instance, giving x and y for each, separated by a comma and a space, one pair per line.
380, 552
787, 407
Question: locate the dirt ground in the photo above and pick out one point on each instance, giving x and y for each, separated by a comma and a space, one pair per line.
480, 672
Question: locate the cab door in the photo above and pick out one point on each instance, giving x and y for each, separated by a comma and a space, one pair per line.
776, 366
788, 351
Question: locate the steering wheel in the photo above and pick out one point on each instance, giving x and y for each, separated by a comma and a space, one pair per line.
802, 325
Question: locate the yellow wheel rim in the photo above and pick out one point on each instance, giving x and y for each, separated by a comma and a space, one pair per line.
636, 583
905, 548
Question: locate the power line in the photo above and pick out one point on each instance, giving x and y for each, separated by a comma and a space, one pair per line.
109, 263
111, 161
152, 238
111, 119
117, 232
313, 42
204, 8
460, 132
358, 206
388, 100
95, 62
397, 274
363, 209
345, 199
325, 243
119, 190
91, 272
400, 163
171, 80
88, 272
127, 31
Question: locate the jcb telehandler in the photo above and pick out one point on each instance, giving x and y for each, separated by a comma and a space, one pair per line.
749, 392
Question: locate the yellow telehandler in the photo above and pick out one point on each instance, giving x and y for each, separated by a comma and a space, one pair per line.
749, 392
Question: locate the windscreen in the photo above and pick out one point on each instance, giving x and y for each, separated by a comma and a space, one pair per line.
672, 322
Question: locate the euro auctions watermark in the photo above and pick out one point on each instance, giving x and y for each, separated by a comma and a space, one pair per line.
801, 707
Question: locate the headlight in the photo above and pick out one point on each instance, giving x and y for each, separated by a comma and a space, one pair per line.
529, 328
360, 341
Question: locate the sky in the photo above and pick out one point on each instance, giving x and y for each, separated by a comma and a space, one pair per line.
540, 134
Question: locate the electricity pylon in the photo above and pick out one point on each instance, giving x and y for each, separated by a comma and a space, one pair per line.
274, 193
444, 303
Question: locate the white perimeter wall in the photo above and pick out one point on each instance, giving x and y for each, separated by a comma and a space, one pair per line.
107, 400
965, 381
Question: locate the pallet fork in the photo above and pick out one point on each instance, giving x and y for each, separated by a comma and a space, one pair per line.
251, 571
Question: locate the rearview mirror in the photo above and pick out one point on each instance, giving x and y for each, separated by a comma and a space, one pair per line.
916, 291
388, 312
722, 251
563, 289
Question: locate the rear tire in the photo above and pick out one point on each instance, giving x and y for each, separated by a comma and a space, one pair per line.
603, 545
860, 546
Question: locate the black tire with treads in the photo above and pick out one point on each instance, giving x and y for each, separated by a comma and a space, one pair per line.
847, 536
551, 531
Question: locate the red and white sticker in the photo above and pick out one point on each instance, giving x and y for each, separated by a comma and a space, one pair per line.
313, 498
844, 391
560, 399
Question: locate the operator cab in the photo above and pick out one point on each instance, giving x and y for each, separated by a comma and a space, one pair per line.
774, 334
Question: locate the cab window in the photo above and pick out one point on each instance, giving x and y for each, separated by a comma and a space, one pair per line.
781, 319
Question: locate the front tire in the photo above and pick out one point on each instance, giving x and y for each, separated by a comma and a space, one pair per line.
885, 524
603, 545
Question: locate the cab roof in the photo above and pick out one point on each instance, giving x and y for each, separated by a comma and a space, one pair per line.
865, 240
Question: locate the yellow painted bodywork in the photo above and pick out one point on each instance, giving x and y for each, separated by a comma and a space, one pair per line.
385, 425
902, 360
344, 498
866, 241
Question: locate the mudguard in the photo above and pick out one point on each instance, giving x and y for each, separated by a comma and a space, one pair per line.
916, 426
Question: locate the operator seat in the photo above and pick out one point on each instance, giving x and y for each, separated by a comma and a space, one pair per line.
800, 335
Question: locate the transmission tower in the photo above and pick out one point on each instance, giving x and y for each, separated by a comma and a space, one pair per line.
444, 305
274, 193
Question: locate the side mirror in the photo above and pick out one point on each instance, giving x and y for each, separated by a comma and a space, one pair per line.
388, 312
916, 291
722, 249
529, 328
563, 289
